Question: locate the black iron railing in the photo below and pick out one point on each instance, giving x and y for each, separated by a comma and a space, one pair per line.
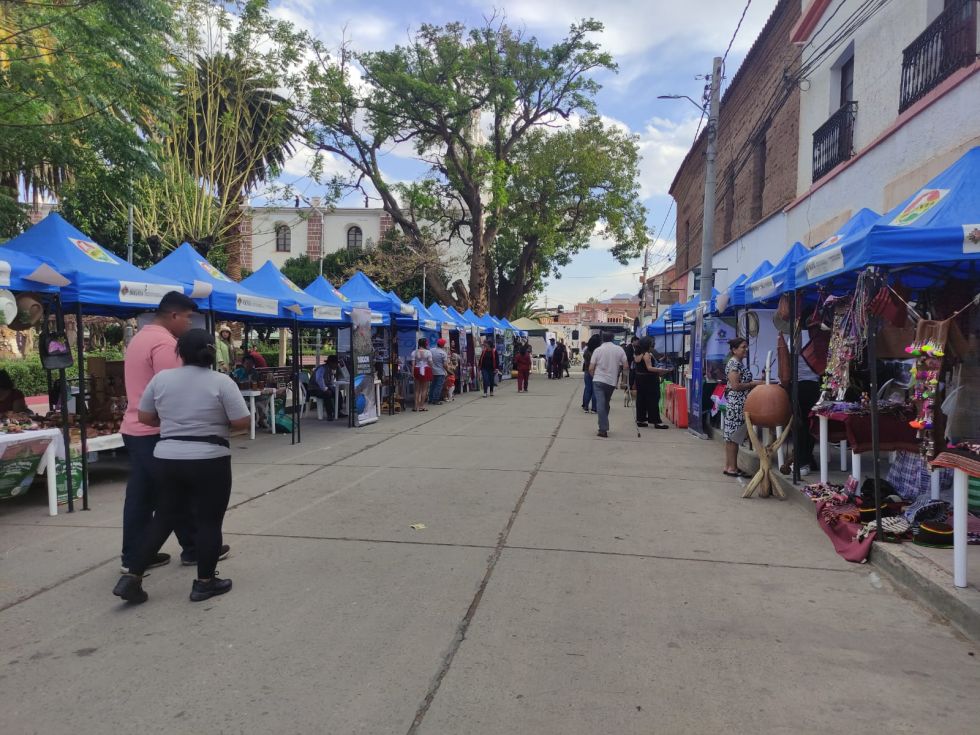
948, 44
833, 142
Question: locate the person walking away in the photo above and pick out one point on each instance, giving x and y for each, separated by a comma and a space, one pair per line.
607, 366
558, 360
194, 407
152, 350
549, 355
422, 373
566, 361
439, 359
522, 364
323, 384
739, 384
489, 365
647, 385
588, 393
630, 350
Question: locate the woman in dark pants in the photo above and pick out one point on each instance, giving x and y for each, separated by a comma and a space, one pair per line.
194, 407
489, 365
647, 385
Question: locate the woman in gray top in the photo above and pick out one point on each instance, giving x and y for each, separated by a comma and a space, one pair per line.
194, 407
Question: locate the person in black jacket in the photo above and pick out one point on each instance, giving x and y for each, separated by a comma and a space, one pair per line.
489, 366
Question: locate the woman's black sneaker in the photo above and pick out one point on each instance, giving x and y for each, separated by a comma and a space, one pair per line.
201, 591
130, 588
642, 423
190, 560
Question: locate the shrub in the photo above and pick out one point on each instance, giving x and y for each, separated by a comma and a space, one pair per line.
30, 379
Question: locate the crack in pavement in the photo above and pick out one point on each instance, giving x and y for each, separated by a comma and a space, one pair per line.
464, 624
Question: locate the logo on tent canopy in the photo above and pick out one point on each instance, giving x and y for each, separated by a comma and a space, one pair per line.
212, 271
832, 240
95, 252
340, 295
922, 203
291, 285
971, 238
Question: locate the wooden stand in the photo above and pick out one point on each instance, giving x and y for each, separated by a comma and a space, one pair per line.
764, 480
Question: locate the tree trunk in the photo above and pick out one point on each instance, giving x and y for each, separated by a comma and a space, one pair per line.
478, 272
233, 244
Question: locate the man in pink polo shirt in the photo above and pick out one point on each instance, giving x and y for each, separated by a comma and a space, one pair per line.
154, 348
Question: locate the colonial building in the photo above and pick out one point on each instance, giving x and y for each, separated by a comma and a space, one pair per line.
756, 167
876, 99
280, 233
884, 111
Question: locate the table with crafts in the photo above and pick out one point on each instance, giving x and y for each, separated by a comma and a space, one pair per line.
853, 429
26, 453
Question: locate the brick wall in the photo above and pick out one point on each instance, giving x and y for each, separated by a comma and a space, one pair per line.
245, 233
314, 235
386, 223
755, 177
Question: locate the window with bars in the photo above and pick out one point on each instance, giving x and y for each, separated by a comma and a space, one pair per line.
284, 238
355, 237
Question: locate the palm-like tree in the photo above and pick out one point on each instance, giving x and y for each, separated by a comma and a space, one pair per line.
244, 129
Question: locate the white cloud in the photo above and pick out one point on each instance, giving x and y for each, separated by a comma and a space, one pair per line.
635, 26
663, 145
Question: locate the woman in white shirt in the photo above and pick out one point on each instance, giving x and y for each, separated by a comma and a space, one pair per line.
422, 372
194, 407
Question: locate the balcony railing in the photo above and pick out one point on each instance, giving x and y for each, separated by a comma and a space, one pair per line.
833, 142
948, 44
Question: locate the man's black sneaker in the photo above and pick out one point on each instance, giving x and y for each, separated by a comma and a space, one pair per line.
642, 423
603, 434
201, 591
160, 560
130, 588
190, 560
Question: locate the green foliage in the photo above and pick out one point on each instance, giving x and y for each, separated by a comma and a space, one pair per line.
566, 188
30, 378
78, 80
442, 91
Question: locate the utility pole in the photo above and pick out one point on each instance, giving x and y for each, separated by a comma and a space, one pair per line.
643, 286
129, 235
708, 225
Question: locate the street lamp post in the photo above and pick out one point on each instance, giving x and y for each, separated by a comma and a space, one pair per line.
708, 223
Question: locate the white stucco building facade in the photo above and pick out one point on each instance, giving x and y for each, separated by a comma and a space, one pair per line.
881, 112
896, 148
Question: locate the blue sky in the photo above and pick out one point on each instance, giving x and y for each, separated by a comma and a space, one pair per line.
660, 47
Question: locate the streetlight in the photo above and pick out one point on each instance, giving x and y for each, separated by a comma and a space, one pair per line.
680, 97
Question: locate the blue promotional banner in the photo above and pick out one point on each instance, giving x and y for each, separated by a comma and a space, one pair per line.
695, 423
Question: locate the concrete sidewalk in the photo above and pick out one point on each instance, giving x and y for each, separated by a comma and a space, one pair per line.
562, 584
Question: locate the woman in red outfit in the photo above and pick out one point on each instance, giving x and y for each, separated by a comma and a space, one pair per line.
522, 363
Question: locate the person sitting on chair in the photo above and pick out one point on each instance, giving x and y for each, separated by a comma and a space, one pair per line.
323, 384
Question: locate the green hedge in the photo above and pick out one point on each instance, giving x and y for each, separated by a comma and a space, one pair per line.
29, 377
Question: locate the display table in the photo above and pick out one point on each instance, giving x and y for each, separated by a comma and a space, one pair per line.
964, 465
43, 442
894, 433
251, 395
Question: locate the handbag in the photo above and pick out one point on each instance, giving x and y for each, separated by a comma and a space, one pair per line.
784, 365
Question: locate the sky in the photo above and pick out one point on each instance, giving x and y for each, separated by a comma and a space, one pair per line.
660, 47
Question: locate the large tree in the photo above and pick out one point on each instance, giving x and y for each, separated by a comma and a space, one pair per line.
565, 189
80, 82
464, 99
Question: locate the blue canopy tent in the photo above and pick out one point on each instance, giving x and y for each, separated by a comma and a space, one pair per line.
361, 289
739, 293
338, 304
427, 320
826, 260
724, 302
461, 320
99, 281
100, 284
21, 272
441, 315
692, 305
228, 299
479, 321
778, 280
662, 327
269, 281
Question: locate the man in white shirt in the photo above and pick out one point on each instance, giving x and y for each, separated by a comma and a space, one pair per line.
548, 354
607, 365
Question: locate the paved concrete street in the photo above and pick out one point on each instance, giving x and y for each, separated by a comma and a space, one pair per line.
562, 584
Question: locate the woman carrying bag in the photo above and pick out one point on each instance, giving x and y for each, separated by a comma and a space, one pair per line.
422, 373
647, 385
195, 408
